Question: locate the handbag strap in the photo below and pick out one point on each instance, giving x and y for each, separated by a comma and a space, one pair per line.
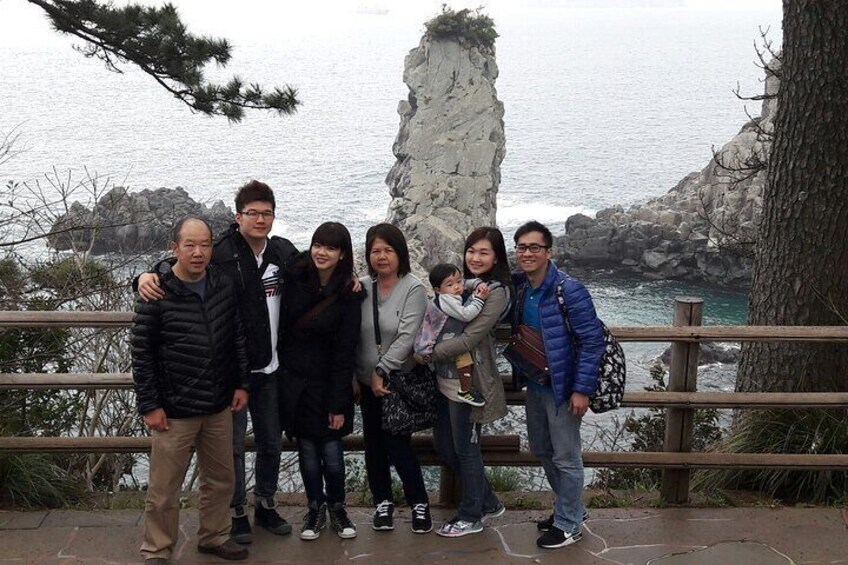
377, 338
314, 311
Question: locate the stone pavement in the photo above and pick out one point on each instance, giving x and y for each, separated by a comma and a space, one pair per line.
658, 536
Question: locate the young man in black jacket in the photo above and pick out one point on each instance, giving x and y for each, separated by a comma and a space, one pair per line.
190, 370
254, 262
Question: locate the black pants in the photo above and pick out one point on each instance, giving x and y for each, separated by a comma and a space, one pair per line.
383, 449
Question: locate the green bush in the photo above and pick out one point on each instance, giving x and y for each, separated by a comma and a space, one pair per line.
36, 481
785, 431
469, 27
503, 479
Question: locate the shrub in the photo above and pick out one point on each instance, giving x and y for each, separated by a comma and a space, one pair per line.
472, 28
785, 431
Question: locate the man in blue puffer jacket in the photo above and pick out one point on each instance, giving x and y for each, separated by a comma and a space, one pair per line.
555, 406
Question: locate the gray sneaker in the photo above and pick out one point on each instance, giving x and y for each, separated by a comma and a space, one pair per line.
457, 528
497, 512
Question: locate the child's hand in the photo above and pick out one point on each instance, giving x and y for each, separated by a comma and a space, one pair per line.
421, 359
482, 291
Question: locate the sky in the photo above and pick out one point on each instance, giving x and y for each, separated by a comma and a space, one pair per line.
24, 24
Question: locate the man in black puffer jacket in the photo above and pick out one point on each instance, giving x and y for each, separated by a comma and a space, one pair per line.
255, 263
190, 369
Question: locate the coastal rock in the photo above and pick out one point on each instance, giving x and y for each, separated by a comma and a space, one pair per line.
449, 149
702, 230
132, 222
710, 353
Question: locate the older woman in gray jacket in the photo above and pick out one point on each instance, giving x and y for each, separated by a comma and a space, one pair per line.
457, 431
401, 300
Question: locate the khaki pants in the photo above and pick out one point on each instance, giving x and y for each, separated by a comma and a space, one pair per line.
212, 437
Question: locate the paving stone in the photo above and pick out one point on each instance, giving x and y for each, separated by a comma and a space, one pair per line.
662, 536
91, 519
727, 552
21, 520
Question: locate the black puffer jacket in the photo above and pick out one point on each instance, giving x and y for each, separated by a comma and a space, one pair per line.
317, 358
233, 256
189, 355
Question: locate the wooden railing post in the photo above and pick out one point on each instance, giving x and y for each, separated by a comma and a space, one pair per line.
682, 377
450, 487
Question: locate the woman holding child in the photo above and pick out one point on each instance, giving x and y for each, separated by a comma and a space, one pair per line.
320, 321
457, 431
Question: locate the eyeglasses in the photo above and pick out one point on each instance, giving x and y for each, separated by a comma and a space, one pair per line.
532, 248
253, 214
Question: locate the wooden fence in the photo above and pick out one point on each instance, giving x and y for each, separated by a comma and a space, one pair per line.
682, 398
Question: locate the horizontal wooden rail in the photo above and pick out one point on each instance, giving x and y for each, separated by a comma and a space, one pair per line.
750, 400
37, 319
497, 451
787, 400
424, 443
65, 319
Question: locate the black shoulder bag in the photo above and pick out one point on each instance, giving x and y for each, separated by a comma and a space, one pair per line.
411, 406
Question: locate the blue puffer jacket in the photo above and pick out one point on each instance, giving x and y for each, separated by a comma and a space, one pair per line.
570, 370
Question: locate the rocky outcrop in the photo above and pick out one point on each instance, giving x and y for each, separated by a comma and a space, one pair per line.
702, 230
449, 149
132, 222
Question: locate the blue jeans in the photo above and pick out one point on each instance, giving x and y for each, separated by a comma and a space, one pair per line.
322, 462
265, 416
457, 441
555, 440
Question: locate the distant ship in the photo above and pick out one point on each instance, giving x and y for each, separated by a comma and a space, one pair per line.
372, 9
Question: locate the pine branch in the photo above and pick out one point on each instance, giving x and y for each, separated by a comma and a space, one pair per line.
157, 41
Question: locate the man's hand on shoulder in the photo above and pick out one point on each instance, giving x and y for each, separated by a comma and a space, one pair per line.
156, 420
148, 287
239, 400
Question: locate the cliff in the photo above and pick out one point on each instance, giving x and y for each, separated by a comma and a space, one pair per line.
702, 230
132, 222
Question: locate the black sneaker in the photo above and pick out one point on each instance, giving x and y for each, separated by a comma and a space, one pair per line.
240, 530
548, 523
340, 522
314, 521
555, 538
271, 521
383, 516
421, 521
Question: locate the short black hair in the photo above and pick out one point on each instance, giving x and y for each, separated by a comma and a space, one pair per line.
532, 226
440, 272
396, 240
178, 227
252, 192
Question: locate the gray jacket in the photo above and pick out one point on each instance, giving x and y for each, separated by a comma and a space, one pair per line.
478, 338
401, 314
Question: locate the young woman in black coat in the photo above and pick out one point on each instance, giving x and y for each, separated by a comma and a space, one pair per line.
320, 324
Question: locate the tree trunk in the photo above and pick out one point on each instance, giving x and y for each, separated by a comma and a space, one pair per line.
801, 267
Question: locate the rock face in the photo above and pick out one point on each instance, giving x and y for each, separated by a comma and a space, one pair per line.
701, 230
449, 149
136, 222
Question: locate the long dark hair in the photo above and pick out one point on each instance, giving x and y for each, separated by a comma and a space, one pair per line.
500, 271
333, 234
394, 238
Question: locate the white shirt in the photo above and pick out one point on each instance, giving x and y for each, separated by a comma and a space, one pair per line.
273, 300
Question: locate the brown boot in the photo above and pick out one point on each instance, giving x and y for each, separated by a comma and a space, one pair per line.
229, 550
